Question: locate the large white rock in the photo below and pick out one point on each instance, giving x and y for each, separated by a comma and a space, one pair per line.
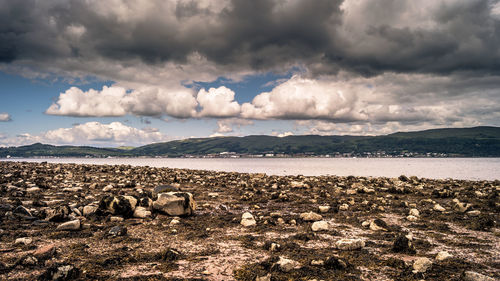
89, 209
141, 212
349, 244
414, 212
247, 219
287, 265
439, 208
69, 225
443, 255
319, 226
474, 276
421, 265
311, 216
175, 203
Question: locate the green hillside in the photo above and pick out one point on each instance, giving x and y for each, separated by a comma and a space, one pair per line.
466, 142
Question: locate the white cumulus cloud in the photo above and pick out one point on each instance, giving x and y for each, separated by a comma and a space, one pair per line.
5, 117
91, 133
218, 102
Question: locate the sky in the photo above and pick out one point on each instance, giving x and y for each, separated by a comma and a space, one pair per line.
133, 72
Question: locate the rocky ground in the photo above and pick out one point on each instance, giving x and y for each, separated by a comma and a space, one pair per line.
67, 222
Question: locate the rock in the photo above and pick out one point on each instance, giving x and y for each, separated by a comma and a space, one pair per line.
23, 240
29, 260
164, 189
175, 203
59, 214
45, 252
335, 263
108, 187
116, 219
412, 218
319, 226
349, 244
421, 265
32, 190
118, 205
441, 256
118, 231
89, 210
21, 210
70, 225
287, 265
461, 207
317, 262
60, 272
438, 208
264, 278
474, 276
365, 224
414, 212
474, 213
378, 224
323, 209
344, 207
145, 202
247, 220
311, 216
174, 221
403, 244
141, 212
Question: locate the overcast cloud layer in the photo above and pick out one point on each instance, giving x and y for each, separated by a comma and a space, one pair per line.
359, 65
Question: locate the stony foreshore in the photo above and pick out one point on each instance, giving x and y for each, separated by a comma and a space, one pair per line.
89, 222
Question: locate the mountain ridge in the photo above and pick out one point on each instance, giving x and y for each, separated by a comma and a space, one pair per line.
482, 141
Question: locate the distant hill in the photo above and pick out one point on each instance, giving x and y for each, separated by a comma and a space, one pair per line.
463, 142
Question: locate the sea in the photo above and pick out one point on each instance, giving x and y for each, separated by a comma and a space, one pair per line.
435, 168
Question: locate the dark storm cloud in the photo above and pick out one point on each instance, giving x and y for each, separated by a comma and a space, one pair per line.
369, 38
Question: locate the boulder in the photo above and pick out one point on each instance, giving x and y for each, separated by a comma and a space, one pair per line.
311, 216
287, 265
319, 226
141, 212
474, 276
441, 256
247, 219
164, 189
59, 214
60, 272
421, 265
403, 244
70, 225
349, 244
175, 203
118, 205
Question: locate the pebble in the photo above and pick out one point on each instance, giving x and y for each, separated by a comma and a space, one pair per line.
60, 272
118, 231
377, 225
319, 226
23, 240
116, 219
323, 209
438, 208
247, 220
412, 218
414, 212
474, 213
107, 188
349, 244
344, 207
70, 225
443, 255
421, 265
264, 278
89, 209
45, 252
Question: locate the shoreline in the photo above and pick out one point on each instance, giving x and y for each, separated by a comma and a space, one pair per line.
212, 244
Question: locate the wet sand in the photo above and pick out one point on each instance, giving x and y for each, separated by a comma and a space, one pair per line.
369, 216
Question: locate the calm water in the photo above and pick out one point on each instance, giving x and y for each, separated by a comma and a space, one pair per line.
438, 168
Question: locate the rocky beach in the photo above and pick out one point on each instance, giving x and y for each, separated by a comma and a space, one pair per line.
101, 222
